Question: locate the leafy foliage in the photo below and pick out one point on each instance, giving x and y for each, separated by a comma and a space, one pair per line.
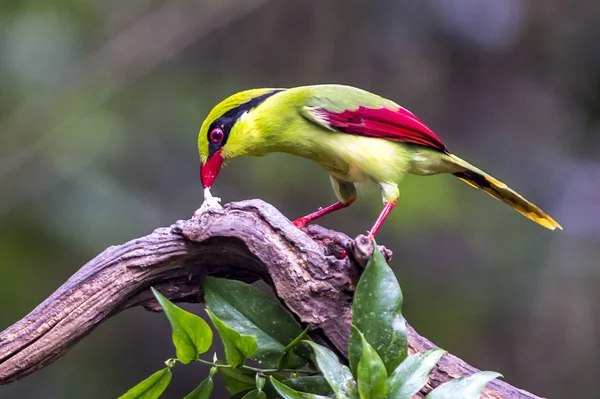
152, 387
191, 335
337, 375
284, 360
238, 380
376, 312
371, 373
311, 383
412, 374
237, 347
289, 393
251, 312
255, 394
254, 327
205, 388
464, 388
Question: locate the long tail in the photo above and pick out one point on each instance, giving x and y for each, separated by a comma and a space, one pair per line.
481, 180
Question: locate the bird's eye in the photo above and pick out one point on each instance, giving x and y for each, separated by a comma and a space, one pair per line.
217, 135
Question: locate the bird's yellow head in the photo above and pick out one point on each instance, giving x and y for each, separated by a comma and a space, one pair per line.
221, 128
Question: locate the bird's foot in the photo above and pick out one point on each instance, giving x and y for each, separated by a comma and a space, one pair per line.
300, 222
361, 250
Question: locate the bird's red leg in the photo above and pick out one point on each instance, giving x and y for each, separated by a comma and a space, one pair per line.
384, 213
301, 222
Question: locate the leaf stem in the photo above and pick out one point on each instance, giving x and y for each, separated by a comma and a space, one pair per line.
255, 369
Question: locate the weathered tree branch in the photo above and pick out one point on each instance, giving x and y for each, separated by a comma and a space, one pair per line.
245, 241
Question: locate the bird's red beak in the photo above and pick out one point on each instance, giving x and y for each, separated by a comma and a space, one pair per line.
210, 169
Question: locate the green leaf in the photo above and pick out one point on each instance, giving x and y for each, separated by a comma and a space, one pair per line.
237, 347
260, 382
376, 311
249, 311
283, 361
412, 374
151, 388
256, 394
203, 390
354, 351
191, 335
465, 387
238, 380
290, 393
239, 395
337, 375
312, 383
372, 377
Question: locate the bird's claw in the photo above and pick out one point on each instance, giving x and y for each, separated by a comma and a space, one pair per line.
299, 222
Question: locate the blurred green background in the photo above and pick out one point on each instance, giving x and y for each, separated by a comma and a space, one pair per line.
101, 101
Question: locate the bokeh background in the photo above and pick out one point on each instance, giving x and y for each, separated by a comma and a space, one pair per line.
101, 101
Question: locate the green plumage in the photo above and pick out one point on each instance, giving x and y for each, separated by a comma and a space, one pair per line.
283, 123
293, 121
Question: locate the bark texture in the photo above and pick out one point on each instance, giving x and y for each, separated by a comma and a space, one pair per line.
246, 241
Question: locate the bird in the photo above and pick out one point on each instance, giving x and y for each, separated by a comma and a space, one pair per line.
354, 135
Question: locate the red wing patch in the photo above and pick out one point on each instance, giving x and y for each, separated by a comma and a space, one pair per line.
394, 125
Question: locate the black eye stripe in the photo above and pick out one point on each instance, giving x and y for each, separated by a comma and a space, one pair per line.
228, 119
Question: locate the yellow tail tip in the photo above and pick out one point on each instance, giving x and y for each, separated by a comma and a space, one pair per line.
543, 220
540, 217
549, 225
500, 191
